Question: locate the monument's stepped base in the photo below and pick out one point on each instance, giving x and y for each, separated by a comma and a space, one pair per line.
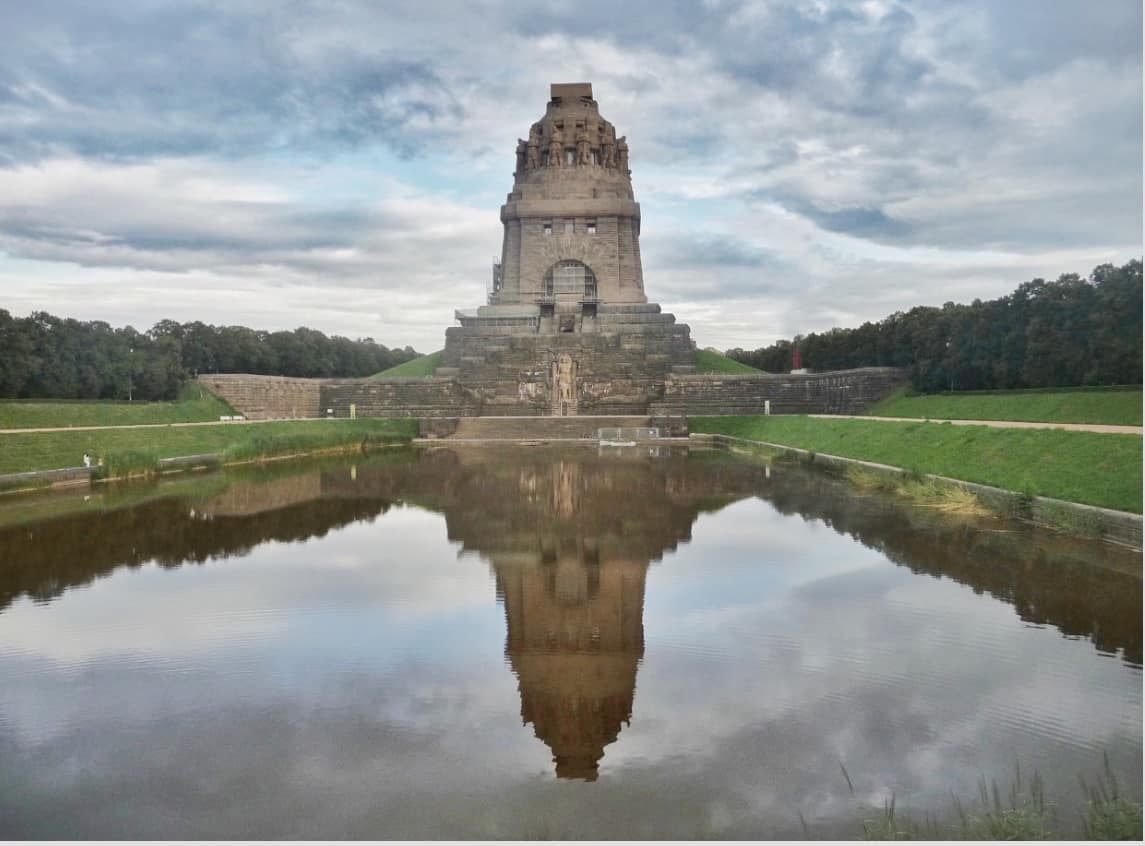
529, 394
548, 428
618, 359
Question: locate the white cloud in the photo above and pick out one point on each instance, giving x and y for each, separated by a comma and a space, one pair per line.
342, 168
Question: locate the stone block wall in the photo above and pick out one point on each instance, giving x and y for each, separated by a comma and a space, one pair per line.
622, 374
266, 397
835, 392
631, 281
398, 398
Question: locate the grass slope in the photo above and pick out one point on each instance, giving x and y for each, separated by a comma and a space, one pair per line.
712, 362
421, 366
1110, 406
127, 449
197, 405
1097, 469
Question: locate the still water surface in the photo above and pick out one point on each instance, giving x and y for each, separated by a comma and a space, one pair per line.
543, 644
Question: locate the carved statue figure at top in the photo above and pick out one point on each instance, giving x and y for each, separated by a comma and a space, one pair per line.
583, 149
533, 150
556, 147
622, 154
608, 146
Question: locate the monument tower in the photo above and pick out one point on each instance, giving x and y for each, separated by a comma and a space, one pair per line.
572, 226
567, 328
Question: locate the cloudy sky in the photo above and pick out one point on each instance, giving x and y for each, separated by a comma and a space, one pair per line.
340, 165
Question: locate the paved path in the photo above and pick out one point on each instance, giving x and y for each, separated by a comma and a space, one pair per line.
1002, 424
146, 425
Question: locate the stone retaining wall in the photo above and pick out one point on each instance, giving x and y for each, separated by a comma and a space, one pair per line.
508, 382
832, 392
266, 397
63, 477
410, 397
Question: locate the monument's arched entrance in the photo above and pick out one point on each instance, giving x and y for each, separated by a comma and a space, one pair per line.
570, 281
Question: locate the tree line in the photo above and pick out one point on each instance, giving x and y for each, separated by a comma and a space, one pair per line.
1071, 331
43, 356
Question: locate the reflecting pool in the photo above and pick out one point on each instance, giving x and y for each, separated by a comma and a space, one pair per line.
537, 643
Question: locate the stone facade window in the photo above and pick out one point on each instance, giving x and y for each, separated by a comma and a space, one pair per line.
590, 227
548, 228
570, 157
569, 227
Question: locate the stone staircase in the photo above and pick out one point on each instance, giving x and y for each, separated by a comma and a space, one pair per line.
554, 428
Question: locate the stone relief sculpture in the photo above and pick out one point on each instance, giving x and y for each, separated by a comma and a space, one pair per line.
522, 156
564, 382
622, 153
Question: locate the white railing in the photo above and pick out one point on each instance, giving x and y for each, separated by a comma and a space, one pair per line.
627, 435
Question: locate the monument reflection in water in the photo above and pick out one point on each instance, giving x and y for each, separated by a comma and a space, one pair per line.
574, 604
339, 647
570, 546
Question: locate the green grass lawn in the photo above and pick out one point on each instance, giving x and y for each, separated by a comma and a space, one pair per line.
1088, 405
1088, 467
421, 366
196, 405
141, 448
712, 362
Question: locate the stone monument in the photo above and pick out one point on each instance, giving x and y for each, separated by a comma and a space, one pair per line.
567, 328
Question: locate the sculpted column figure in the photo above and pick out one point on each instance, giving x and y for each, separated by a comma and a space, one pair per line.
522, 157
533, 149
622, 154
583, 149
556, 148
608, 146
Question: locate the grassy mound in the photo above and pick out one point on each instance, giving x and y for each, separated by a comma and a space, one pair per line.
1089, 467
195, 404
712, 362
1114, 406
419, 367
